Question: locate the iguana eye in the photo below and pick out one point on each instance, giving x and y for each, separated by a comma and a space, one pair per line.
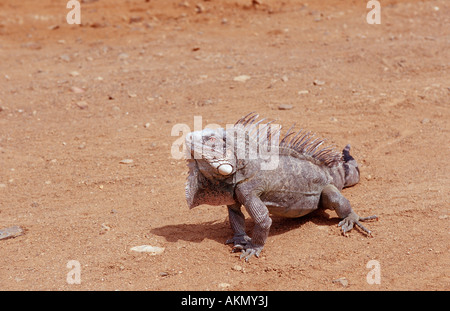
211, 141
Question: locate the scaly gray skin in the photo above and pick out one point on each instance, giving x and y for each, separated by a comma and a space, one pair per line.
305, 177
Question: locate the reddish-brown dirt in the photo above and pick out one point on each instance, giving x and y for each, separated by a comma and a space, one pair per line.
77, 99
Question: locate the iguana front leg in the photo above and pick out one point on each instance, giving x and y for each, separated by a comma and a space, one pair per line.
260, 215
332, 198
237, 222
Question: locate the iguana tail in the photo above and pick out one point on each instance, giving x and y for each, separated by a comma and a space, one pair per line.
350, 167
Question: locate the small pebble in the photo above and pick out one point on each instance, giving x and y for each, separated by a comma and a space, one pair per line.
343, 281
76, 90
104, 228
10, 232
152, 250
131, 94
199, 8
65, 57
318, 82
285, 107
82, 105
242, 78
224, 285
126, 161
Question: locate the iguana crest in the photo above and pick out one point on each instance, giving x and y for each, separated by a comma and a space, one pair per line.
297, 144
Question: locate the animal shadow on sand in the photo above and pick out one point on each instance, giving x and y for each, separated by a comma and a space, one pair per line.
220, 230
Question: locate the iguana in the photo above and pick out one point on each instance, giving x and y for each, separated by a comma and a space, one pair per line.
288, 175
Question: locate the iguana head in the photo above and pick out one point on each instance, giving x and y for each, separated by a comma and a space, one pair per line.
209, 149
212, 168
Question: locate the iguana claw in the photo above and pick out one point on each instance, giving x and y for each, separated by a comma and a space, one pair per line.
243, 243
251, 250
353, 219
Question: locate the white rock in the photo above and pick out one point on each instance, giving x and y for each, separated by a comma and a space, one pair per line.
242, 78
224, 285
152, 250
343, 281
285, 107
82, 104
126, 161
318, 82
10, 232
199, 8
76, 90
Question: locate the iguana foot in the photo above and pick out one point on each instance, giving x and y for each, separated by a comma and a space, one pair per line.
239, 242
243, 243
251, 250
353, 219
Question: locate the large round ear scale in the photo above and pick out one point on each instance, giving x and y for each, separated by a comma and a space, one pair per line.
225, 169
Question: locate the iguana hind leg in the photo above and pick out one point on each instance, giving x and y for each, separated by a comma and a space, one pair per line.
331, 198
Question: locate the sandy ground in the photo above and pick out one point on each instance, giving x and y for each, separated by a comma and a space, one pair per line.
75, 100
